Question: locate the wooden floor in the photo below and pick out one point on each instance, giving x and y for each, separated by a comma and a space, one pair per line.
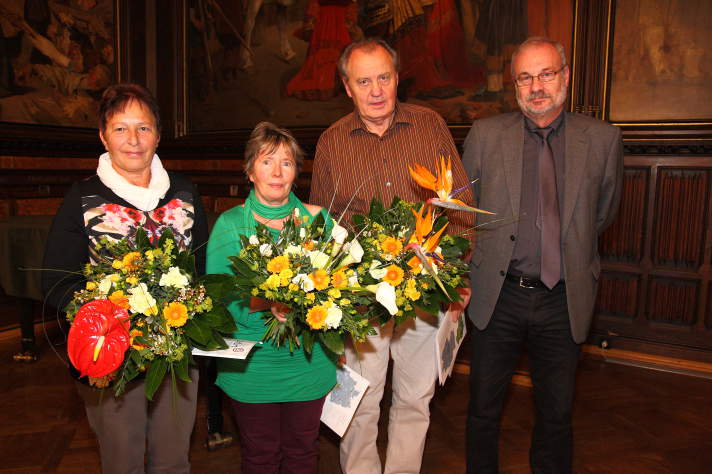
627, 420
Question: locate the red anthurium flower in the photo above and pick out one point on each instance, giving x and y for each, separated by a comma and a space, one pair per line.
98, 338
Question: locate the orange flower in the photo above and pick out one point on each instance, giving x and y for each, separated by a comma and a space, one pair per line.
392, 246
339, 279
175, 314
320, 279
316, 317
119, 299
136, 333
309, 245
277, 264
131, 260
394, 275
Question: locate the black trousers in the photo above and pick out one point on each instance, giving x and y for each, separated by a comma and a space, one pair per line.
538, 318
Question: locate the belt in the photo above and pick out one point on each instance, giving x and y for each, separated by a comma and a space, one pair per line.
526, 281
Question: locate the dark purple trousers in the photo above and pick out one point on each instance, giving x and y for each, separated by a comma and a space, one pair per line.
279, 437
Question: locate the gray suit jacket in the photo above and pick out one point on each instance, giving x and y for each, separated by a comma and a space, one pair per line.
593, 179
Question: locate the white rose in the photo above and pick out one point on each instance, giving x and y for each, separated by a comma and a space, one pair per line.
105, 285
333, 317
266, 250
304, 282
293, 250
318, 258
141, 300
253, 240
376, 272
174, 278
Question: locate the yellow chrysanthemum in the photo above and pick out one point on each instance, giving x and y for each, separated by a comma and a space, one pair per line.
392, 246
285, 276
394, 275
272, 282
278, 264
132, 280
293, 287
334, 293
345, 302
255, 291
117, 264
316, 317
175, 314
131, 260
310, 297
114, 278
339, 279
91, 285
119, 299
320, 279
411, 292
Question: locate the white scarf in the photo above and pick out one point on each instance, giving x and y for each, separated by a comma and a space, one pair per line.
145, 199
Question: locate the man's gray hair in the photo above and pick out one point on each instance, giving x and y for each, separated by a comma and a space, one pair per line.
538, 40
368, 45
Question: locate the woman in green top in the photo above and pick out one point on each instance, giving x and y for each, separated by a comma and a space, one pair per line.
277, 395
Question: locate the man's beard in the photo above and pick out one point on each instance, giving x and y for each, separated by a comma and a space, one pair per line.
558, 101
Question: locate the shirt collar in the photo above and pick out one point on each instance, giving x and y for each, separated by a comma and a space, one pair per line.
556, 125
401, 116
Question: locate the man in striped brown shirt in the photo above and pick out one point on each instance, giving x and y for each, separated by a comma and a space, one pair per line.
364, 155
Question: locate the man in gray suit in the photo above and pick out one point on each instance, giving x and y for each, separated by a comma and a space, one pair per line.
554, 181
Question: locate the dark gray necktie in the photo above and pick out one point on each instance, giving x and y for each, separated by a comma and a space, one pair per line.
549, 213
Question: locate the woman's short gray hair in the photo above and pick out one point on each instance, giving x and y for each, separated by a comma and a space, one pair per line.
266, 138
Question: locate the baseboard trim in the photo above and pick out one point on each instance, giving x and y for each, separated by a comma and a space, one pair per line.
651, 361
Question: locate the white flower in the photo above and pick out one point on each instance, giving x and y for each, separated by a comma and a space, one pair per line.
333, 317
174, 278
318, 258
302, 233
141, 300
355, 253
296, 212
105, 285
386, 295
339, 233
353, 280
304, 282
253, 240
376, 272
266, 250
294, 250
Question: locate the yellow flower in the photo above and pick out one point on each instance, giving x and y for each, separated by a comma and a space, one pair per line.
316, 317
394, 275
278, 264
345, 302
132, 280
272, 282
293, 287
285, 277
175, 314
339, 279
152, 311
136, 333
320, 279
310, 297
392, 246
117, 264
411, 291
131, 260
334, 293
91, 285
308, 245
255, 292
114, 278
120, 299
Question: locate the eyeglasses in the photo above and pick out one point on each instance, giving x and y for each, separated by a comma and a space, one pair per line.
546, 76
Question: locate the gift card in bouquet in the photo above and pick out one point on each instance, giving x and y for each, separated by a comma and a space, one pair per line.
236, 349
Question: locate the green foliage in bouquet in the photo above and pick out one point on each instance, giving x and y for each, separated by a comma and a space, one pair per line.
391, 238
170, 311
309, 268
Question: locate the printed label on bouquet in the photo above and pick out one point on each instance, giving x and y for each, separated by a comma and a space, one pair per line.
447, 343
341, 403
237, 349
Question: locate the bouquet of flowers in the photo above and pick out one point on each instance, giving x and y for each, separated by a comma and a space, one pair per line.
142, 310
407, 261
310, 270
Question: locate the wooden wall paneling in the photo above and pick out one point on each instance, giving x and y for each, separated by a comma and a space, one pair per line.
623, 240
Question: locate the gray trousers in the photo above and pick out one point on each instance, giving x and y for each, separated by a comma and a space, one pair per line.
127, 425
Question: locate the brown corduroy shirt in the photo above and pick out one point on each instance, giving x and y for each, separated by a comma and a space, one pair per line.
353, 165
